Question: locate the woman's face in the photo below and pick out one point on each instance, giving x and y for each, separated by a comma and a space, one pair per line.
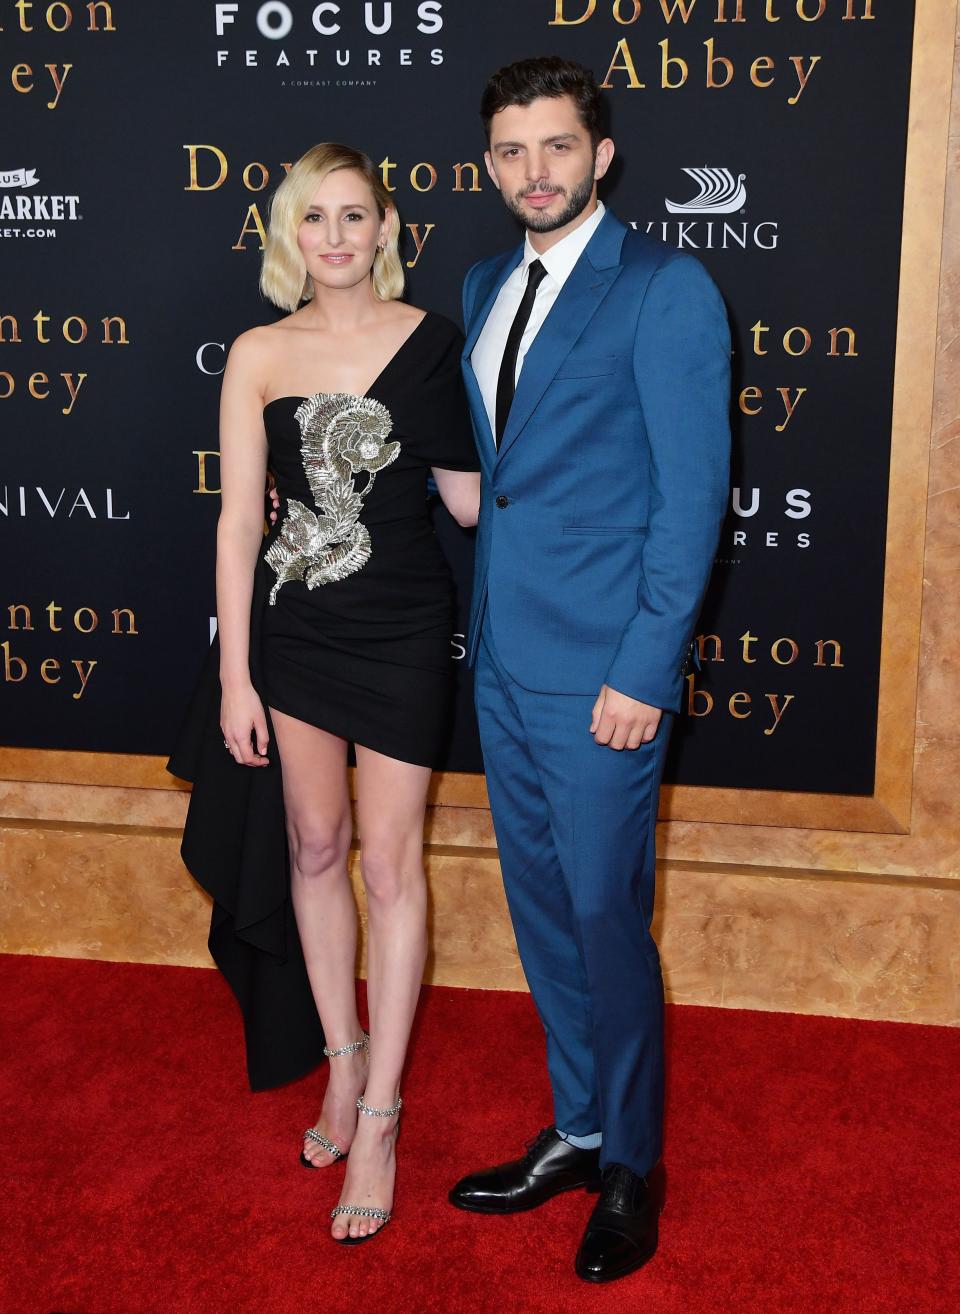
339, 234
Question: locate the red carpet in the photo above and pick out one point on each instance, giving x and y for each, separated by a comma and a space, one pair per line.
812, 1163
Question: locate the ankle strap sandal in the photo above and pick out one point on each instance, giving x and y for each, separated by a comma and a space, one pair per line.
383, 1216
311, 1134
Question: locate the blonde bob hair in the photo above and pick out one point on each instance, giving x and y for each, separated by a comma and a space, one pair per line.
283, 277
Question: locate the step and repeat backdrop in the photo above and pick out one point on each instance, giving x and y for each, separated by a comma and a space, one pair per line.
140, 146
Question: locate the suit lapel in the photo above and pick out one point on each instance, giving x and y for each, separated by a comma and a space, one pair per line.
590, 280
498, 273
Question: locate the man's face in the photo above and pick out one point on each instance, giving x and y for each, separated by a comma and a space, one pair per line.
542, 160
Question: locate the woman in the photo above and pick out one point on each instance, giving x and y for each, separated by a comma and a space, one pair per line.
337, 630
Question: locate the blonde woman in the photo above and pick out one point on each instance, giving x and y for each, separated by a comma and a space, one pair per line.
335, 630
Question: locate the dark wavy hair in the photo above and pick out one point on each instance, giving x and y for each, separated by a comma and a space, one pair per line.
548, 75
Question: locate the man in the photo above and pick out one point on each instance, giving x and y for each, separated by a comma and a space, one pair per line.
597, 366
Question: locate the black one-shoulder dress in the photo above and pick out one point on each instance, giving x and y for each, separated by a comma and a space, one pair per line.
351, 626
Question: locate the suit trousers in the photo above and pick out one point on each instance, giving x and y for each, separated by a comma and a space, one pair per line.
575, 824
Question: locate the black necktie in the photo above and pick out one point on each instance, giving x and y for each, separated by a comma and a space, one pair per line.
506, 381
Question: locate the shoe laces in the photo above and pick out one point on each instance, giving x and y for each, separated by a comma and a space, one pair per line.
531, 1146
621, 1185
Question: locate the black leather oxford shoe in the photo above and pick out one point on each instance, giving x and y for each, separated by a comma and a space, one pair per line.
549, 1166
622, 1232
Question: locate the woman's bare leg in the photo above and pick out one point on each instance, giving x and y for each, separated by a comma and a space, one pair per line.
391, 799
319, 830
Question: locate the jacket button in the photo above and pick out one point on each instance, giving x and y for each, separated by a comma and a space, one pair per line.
502, 501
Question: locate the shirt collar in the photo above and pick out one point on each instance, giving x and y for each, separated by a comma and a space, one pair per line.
563, 255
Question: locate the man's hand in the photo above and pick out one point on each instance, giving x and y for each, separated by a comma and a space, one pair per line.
621, 722
274, 496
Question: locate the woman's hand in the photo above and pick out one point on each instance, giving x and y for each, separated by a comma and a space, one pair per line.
244, 725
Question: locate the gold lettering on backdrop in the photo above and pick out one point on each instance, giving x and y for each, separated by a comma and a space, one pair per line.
431, 174
385, 165
414, 231
64, 12
795, 341
783, 651
91, 623
851, 342
12, 664
750, 394
837, 650
194, 184
72, 390
712, 61
719, 69
18, 667
702, 640
458, 177
788, 406
559, 19
667, 60
19, 608
792, 648
671, 7
202, 485
49, 663
103, 7
74, 329
67, 333
130, 619
802, 77
252, 224
84, 677
247, 176
109, 320
58, 82
623, 19
626, 65
693, 693
763, 63
778, 710
736, 700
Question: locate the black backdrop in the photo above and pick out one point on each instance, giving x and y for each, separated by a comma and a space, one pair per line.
145, 147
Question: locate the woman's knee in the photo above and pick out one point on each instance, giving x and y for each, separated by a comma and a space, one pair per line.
319, 846
390, 872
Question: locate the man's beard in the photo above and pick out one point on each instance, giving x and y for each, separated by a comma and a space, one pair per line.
540, 222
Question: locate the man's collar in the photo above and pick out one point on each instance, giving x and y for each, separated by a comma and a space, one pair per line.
560, 259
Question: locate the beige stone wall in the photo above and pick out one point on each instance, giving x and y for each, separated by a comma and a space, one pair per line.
755, 916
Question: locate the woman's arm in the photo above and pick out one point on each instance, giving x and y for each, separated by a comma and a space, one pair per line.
243, 463
460, 491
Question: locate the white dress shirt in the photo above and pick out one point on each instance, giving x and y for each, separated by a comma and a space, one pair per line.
558, 262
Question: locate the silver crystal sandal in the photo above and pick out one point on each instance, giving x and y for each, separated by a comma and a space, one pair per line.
311, 1133
367, 1211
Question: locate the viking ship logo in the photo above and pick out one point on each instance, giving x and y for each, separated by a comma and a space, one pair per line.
718, 193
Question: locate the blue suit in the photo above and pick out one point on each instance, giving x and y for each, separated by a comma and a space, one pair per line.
599, 519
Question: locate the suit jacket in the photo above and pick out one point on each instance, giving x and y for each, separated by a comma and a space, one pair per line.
600, 514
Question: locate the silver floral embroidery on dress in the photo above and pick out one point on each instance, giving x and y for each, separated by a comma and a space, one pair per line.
341, 435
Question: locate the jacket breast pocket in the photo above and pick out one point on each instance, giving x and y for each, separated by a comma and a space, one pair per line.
625, 530
583, 365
